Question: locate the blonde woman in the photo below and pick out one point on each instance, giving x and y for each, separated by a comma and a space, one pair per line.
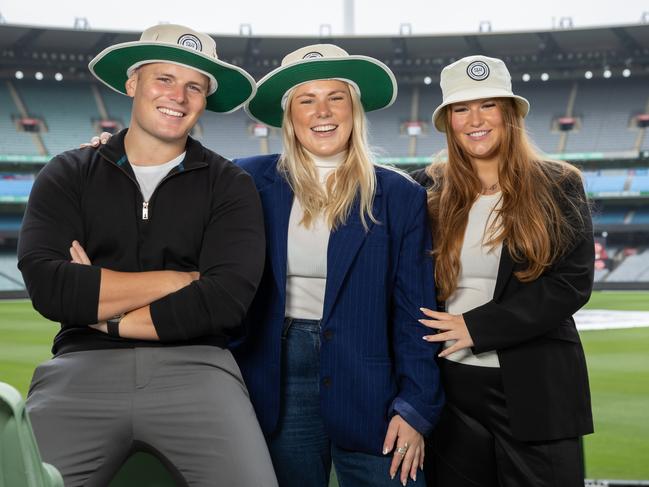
334, 361
514, 260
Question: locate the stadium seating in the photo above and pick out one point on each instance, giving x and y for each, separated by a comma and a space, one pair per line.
605, 182
66, 108
230, 134
432, 141
641, 215
640, 183
633, 268
10, 277
70, 111
604, 108
12, 141
20, 460
548, 101
385, 128
15, 188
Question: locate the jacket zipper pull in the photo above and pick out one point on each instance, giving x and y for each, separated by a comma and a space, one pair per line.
145, 210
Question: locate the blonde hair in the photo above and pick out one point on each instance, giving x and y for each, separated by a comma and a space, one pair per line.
354, 176
536, 220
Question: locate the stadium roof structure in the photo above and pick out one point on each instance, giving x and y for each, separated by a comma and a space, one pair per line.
564, 53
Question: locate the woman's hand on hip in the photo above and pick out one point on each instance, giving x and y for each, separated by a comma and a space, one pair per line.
451, 327
408, 445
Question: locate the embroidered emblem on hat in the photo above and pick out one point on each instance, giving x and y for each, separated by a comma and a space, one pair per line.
190, 41
478, 70
312, 55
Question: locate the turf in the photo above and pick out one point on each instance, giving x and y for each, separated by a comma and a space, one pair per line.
619, 300
618, 362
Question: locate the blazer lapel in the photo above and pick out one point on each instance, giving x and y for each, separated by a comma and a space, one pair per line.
344, 244
505, 268
277, 199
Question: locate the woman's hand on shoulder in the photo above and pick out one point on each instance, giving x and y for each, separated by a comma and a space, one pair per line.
96, 141
450, 327
408, 446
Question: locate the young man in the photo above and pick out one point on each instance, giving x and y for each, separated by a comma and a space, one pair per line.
148, 251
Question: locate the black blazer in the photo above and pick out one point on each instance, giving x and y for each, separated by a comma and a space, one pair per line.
530, 326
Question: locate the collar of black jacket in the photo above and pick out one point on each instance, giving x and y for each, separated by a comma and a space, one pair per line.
115, 152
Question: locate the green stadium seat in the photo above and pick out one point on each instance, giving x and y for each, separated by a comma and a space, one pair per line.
20, 460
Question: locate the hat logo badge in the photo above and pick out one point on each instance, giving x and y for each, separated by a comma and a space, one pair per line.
478, 70
313, 54
190, 41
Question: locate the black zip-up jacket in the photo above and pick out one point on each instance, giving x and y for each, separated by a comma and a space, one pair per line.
205, 216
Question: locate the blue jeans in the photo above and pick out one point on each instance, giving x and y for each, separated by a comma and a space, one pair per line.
300, 449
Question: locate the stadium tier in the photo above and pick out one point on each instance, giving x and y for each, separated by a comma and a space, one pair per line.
67, 113
49, 103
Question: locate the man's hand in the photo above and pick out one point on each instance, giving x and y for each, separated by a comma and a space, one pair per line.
96, 141
409, 451
78, 254
121, 292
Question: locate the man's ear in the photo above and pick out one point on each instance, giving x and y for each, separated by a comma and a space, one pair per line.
131, 84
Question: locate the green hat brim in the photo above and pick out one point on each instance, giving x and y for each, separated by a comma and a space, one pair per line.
234, 85
377, 85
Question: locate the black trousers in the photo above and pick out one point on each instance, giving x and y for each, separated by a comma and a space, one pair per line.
473, 446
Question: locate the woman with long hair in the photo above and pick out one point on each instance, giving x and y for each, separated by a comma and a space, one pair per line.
333, 359
514, 254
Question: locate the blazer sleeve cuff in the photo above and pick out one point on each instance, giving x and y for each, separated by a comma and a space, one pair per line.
411, 416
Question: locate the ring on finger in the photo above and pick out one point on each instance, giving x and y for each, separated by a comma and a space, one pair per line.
402, 449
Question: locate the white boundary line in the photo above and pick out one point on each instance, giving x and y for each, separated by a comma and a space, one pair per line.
603, 319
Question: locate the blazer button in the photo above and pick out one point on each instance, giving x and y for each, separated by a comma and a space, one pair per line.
328, 334
326, 381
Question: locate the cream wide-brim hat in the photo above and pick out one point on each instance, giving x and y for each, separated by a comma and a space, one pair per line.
475, 78
230, 86
373, 80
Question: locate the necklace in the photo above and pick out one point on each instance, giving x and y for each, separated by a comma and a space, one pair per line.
489, 189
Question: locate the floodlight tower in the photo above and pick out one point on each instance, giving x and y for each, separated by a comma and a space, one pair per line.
348, 17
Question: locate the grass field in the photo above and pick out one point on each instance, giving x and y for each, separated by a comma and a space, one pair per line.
618, 362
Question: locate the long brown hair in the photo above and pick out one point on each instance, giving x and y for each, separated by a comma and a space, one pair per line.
355, 175
535, 220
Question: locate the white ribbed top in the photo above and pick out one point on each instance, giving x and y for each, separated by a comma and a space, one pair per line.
479, 270
306, 265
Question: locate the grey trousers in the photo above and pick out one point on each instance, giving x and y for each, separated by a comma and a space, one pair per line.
189, 403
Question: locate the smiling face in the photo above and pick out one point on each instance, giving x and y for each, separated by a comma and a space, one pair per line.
322, 116
168, 100
478, 127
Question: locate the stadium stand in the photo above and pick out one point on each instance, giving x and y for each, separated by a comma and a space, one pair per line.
547, 102
230, 135
633, 268
612, 182
385, 128
14, 187
12, 141
605, 109
67, 110
605, 140
10, 277
640, 183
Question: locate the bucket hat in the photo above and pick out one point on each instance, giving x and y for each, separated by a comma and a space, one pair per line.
474, 78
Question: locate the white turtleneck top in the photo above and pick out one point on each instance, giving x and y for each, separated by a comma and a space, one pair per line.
477, 280
306, 266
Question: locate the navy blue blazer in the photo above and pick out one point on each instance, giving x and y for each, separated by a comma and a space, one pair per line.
373, 360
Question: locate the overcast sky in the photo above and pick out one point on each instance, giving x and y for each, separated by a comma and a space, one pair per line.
286, 17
